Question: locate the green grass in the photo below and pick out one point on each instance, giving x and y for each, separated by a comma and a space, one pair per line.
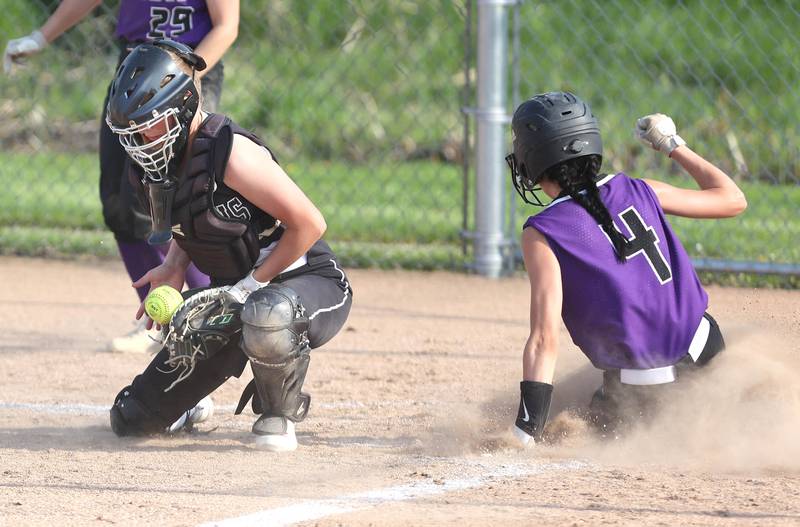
56, 242
415, 225
419, 201
361, 80
358, 98
419, 211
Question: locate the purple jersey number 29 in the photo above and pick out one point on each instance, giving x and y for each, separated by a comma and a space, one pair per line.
179, 18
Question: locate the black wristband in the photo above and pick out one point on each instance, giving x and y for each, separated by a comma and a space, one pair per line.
534, 406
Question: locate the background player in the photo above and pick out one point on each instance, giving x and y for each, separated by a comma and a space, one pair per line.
243, 221
209, 26
603, 257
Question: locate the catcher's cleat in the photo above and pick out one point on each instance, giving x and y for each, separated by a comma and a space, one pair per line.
201, 412
137, 341
275, 434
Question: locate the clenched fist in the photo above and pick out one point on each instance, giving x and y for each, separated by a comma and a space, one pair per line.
20, 48
658, 132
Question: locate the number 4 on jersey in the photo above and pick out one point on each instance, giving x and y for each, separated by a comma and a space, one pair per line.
644, 241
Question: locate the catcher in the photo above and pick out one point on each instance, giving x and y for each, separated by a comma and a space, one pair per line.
604, 258
209, 26
217, 194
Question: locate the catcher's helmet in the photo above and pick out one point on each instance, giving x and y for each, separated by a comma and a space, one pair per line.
149, 89
549, 129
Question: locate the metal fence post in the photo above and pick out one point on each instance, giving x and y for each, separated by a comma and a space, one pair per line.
491, 120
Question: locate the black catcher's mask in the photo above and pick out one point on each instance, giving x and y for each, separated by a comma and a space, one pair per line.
549, 129
150, 93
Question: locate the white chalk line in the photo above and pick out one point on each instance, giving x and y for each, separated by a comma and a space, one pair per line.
308, 510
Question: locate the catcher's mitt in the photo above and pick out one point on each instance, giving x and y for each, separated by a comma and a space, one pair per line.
205, 323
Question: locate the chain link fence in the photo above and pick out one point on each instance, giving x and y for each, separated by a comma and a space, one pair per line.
727, 71
363, 102
360, 100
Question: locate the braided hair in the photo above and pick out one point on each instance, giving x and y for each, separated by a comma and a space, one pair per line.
577, 177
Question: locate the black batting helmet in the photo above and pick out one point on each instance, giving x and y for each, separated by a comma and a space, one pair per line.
148, 88
549, 129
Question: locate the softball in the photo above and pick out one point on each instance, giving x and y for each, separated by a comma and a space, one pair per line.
161, 303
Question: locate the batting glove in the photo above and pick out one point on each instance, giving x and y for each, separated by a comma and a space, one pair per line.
20, 48
242, 289
659, 133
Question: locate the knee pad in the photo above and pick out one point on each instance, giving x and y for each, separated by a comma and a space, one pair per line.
129, 417
274, 325
275, 339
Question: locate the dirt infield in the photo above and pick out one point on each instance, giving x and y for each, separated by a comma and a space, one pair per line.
409, 420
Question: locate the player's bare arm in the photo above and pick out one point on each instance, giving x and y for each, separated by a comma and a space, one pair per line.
719, 196
224, 16
541, 348
67, 14
255, 175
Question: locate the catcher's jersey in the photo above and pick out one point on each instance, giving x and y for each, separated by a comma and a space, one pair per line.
185, 21
640, 314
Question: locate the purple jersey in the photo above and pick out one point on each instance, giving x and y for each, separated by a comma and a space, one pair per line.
185, 21
640, 314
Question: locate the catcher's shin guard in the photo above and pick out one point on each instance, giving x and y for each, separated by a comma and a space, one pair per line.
279, 386
275, 339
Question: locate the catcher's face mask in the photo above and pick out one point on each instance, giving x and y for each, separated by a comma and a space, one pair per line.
151, 143
151, 146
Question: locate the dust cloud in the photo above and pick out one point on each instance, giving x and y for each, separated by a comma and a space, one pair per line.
741, 413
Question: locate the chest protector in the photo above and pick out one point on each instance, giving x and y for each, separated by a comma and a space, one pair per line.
219, 229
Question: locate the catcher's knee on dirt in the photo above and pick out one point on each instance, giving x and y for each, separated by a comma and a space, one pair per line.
130, 417
275, 339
